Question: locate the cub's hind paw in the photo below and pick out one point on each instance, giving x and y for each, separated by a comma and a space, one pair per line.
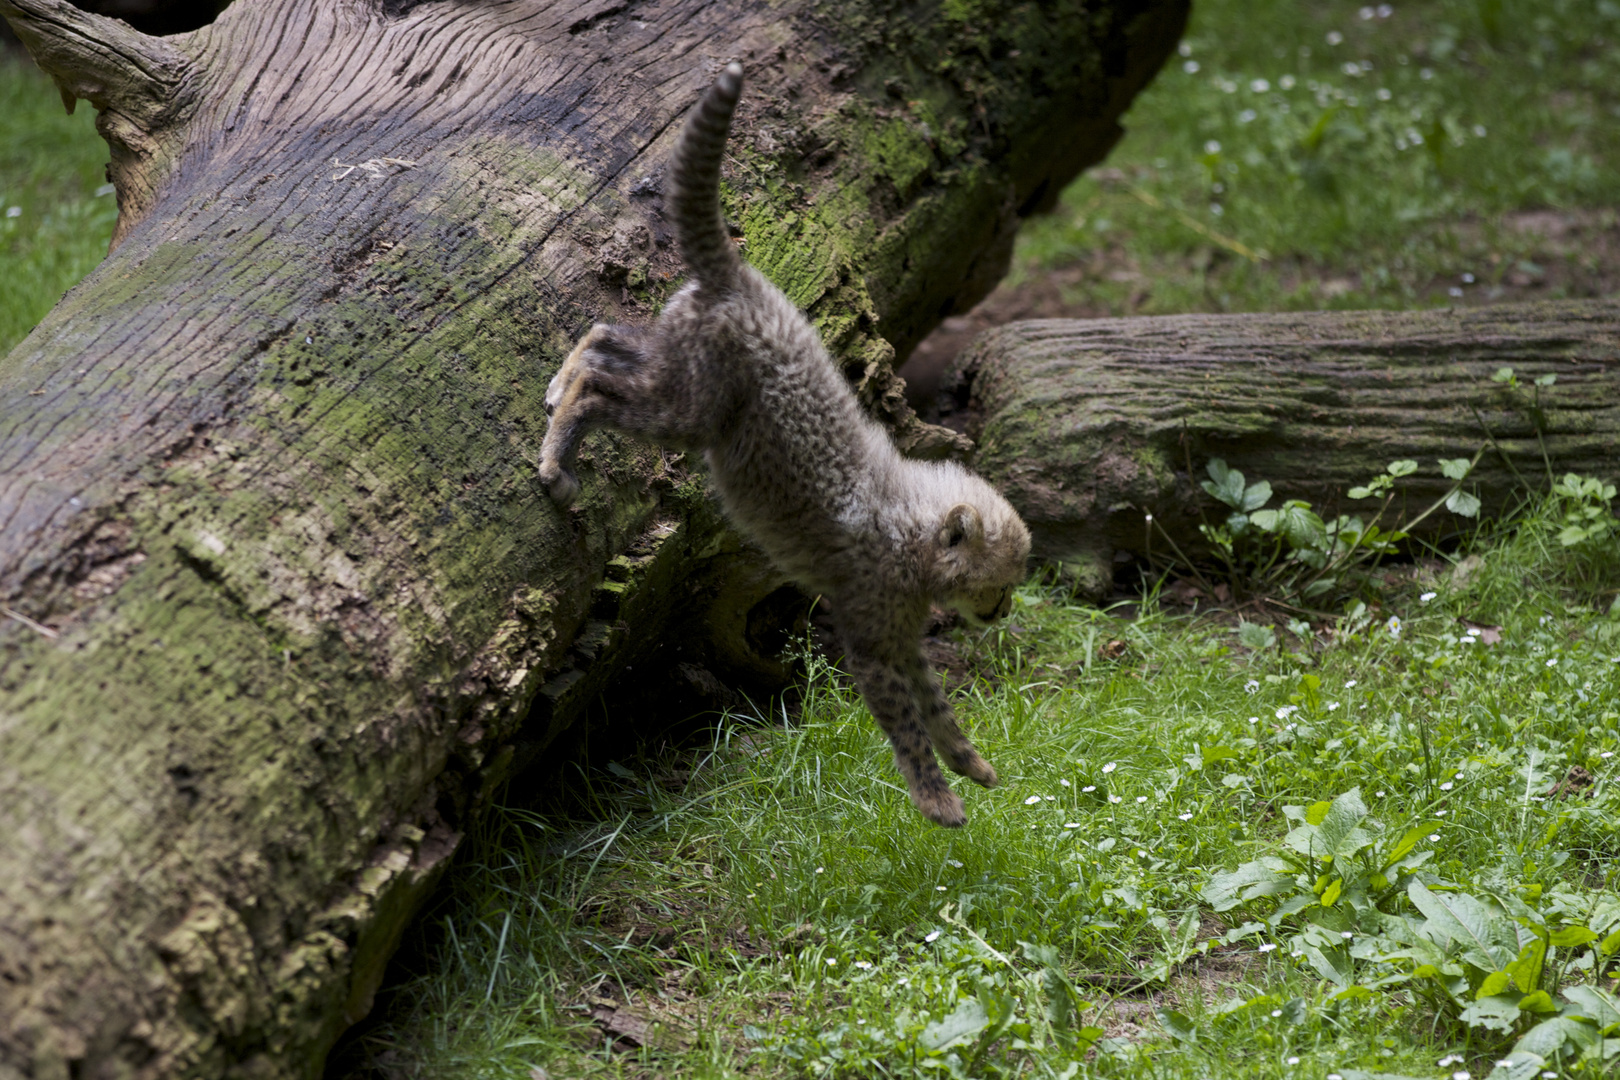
562, 485
942, 807
974, 767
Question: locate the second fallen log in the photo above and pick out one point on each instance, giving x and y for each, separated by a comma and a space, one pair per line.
1088, 426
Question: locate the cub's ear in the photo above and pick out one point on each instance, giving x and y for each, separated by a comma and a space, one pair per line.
962, 525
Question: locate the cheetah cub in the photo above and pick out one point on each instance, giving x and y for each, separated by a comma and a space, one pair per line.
733, 369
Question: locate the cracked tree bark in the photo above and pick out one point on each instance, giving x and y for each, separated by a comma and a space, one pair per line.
1089, 425
282, 594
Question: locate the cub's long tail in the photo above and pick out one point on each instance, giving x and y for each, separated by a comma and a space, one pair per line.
694, 170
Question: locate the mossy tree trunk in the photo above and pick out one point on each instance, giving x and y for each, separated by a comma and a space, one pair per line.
280, 586
1088, 426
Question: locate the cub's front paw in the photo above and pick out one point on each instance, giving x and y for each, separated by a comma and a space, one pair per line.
554, 393
942, 806
562, 484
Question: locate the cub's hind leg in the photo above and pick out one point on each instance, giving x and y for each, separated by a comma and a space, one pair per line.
600, 374
890, 697
939, 720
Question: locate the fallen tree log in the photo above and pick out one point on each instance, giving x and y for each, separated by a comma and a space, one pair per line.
1090, 425
279, 583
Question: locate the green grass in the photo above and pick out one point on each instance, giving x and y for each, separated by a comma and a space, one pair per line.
776, 903
56, 209
1372, 161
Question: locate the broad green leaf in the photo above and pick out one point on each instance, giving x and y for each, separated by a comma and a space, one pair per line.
1495, 1013
1518, 1065
1597, 1004
1228, 484
1463, 504
1256, 495
1410, 839
1503, 374
1334, 965
1570, 936
1570, 535
963, 1023
1330, 895
1525, 971
1178, 1025
1549, 1037
1256, 635
1546, 380
1497, 982
1360, 492
1465, 920
1538, 1002
1404, 467
1263, 877
1455, 468
1337, 832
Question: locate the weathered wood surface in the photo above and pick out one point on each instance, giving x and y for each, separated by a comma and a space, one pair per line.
1090, 425
280, 584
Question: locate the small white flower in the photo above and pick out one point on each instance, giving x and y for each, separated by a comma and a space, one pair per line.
1607, 754
1348, 684
1246, 116
1457, 776
939, 888
14, 211
1334, 1076
1434, 838
1332, 706
1334, 38
1110, 767
1425, 73
932, 935
1384, 94
1212, 147
1426, 597
1032, 800
1071, 824
1185, 817
954, 862
1141, 798
1385, 11
1088, 787
821, 869
1473, 631
1217, 209
1050, 798
1259, 86
1479, 131
1379, 794
1285, 83
1394, 626
1276, 1012
1284, 712
1190, 67
1267, 947
1252, 686
1140, 854
1549, 1075
1449, 1059
864, 965
1505, 1063
1454, 292
1467, 279
1065, 783
1367, 13
1292, 1061
1254, 719
1115, 799
1460, 1074
1439, 813
1553, 662
1468, 641
1446, 786
831, 960
1184, 49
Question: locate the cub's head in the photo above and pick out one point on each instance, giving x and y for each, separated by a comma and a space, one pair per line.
979, 551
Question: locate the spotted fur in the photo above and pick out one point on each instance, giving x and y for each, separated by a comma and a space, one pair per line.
732, 369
